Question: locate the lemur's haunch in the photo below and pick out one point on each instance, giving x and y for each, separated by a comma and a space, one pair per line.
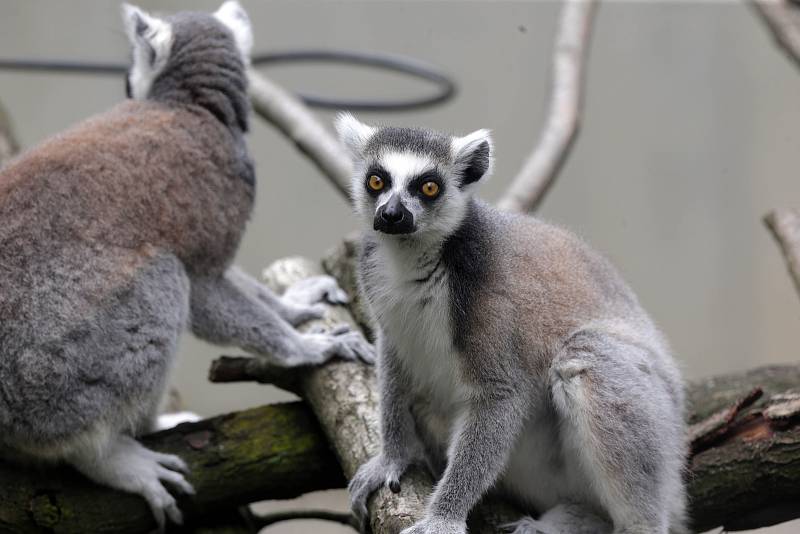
116, 235
510, 354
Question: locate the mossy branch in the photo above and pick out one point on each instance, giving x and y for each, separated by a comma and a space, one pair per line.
272, 452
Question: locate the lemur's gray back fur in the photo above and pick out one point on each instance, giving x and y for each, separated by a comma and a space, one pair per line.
510, 353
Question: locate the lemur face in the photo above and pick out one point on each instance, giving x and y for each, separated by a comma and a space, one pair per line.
154, 40
413, 182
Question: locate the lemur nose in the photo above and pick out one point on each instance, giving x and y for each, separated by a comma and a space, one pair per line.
393, 212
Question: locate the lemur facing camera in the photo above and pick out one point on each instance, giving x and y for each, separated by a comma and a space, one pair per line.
116, 235
510, 355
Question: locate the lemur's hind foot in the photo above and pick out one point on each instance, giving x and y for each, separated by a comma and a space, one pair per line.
127, 465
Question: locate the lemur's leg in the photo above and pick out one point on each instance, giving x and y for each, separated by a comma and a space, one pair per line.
479, 450
401, 446
88, 361
300, 303
223, 313
621, 422
566, 518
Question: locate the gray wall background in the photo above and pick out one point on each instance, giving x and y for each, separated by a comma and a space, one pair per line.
690, 136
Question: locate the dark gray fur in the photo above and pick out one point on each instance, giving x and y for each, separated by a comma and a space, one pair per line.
418, 140
205, 70
512, 356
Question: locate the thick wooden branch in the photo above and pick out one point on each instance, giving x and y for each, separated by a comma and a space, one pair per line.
564, 110
272, 452
785, 227
782, 18
298, 123
749, 477
344, 397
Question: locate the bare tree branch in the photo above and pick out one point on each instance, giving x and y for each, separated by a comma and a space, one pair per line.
8, 143
293, 118
785, 227
563, 117
783, 20
344, 397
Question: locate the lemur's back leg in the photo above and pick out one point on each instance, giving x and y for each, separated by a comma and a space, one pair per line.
621, 422
566, 518
88, 362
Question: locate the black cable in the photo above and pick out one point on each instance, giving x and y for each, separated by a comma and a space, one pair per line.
446, 88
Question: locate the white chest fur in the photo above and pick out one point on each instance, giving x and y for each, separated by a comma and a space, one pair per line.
415, 320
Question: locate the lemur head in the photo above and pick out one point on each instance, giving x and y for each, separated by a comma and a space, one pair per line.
413, 182
188, 53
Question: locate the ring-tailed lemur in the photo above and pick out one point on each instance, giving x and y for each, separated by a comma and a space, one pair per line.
510, 354
116, 235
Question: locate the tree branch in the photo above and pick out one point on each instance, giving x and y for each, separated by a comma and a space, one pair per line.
783, 20
785, 227
344, 397
272, 452
294, 120
8, 143
564, 111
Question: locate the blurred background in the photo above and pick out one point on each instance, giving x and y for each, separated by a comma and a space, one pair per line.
689, 137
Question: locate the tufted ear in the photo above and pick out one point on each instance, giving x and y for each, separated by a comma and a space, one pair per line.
151, 41
233, 15
353, 134
473, 155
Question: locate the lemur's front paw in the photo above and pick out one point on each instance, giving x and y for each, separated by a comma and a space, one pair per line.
315, 289
378, 471
341, 341
437, 525
296, 314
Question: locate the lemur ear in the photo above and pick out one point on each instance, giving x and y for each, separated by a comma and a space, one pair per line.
233, 15
353, 134
150, 37
474, 155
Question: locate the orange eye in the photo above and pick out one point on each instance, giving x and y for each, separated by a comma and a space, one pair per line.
430, 189
375, 182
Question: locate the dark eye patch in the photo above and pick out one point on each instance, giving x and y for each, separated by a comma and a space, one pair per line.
415, 185
383, 174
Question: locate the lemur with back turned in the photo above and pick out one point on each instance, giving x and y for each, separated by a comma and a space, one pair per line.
117, 234
511, 356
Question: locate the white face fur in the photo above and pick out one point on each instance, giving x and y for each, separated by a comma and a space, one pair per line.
406, 161
151, 39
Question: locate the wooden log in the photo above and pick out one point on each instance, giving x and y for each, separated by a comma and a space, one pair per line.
271, 452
